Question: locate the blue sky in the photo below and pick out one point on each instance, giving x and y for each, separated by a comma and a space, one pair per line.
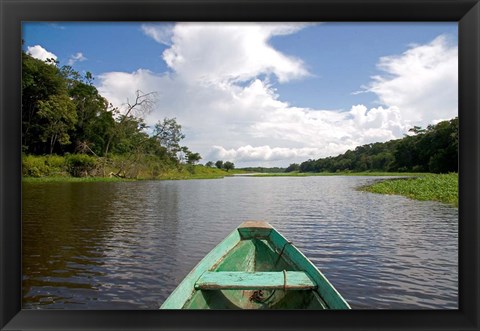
269, 94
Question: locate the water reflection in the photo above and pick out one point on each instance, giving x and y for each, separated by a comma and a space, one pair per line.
62, 254
127, 245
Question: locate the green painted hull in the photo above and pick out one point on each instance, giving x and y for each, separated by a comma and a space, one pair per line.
255, 267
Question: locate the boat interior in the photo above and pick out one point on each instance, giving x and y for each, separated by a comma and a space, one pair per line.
255, 275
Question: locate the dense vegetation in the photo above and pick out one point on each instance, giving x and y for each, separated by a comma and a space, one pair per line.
264, 169
436, 187
434, 149
68, 128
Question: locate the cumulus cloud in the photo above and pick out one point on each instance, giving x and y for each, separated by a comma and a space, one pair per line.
218, 52
40, 53
161, 33
78, 57
422, 82
217, 90
262, 153
119, 88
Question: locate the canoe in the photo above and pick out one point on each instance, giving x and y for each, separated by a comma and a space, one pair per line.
255, 267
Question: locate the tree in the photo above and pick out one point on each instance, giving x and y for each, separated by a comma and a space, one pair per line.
219, 164
209, 164
95, 121
60, 116
417, 130
192, 158
228, 166
293, 167
142, 105
40, 81
168, 133
433, 149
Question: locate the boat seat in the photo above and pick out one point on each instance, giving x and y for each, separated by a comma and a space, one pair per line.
237, 280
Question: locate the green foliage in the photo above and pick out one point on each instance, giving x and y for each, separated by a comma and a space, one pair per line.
434, 149
195, 172
192, 158
64, 114
168, 133
80, 165
62, 179
43, 88
130, 136
436, 187
95, 122
59, 116
40, 166
264, 169
293, 167
228, 166
219, 164
34, 166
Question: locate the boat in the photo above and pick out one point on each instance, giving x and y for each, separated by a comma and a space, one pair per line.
255, 267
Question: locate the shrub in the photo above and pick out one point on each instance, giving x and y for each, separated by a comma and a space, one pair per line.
80, 165
34, 166
55, 161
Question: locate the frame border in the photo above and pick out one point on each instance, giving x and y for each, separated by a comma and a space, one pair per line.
13, 12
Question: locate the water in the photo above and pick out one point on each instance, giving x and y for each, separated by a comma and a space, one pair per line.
126, 245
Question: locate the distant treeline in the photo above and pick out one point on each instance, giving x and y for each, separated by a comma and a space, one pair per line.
434, 149
263, 169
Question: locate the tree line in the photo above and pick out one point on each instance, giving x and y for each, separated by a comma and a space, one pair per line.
220, 164
433, 149
63, 114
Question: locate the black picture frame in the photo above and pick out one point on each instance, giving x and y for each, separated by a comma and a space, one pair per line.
14, 12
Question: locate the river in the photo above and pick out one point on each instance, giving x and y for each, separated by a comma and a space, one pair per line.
126, 245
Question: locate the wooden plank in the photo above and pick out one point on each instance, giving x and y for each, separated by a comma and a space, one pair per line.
255, 224
254, 229
325, 289
236, 280
185, 289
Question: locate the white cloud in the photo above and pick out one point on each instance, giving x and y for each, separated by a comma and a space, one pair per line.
218, 52
262, 153
78, 57
228, 112
422, 82
120, 87
160, 32
40, 53
56, 26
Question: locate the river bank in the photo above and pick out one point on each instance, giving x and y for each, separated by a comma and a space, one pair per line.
432, 187
193, 172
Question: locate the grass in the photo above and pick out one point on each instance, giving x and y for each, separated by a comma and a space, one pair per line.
83, 168
195, 172
431, 187
68, 179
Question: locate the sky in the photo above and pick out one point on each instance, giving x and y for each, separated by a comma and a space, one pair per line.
268, 94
